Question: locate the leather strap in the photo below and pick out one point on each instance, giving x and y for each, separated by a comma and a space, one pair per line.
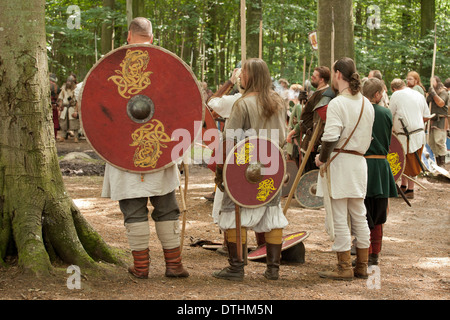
375, 157
356, 153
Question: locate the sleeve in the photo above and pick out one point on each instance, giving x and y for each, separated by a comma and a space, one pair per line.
334, 123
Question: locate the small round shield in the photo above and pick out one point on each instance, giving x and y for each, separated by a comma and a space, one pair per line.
396, 157
291, 173
254, 171
133, 101
305, 194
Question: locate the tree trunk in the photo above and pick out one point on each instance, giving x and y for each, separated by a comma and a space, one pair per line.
38, 220
254, 16
427, 20
107, 30
343, 26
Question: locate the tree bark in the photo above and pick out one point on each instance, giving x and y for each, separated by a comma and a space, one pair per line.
107, 30
254, 16
427, 20
38, 220
343, 26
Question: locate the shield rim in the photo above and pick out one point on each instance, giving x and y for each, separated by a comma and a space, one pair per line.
196, 135
231, 154
296, 191
404, 157
305, 236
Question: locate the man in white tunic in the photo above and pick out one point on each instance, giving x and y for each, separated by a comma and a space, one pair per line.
411, 107
347, 136
133, 190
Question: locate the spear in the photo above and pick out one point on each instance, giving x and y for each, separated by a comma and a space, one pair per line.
432, 76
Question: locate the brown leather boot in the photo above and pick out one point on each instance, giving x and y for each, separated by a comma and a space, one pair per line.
141, 264
235, 271
362, 258
273, 261
344, 269
174, 268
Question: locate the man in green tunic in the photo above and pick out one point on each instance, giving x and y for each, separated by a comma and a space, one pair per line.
381, 183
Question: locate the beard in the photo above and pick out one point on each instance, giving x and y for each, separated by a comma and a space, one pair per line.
315, 84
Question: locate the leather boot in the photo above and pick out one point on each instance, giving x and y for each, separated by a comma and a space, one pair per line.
235, 271
344, 269
273, 261
141, 264
362, 258
373, 259
174, 267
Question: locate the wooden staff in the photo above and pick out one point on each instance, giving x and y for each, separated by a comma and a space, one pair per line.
183, 213
243, 33
238, 233
432, 76
260, 38
311, 144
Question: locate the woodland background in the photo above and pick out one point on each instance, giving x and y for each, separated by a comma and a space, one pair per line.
206, 35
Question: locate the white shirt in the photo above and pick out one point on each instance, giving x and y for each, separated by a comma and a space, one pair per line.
224, 104
412, 107
119, 184
348, 172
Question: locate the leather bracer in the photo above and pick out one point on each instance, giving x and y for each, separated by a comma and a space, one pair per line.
326, 150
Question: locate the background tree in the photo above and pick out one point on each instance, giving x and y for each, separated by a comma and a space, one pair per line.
38, 220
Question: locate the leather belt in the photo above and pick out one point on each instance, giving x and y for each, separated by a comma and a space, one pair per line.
356, 153
374, 156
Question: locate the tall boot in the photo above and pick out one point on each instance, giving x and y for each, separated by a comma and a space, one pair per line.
362, 258
344, 269
235, 271
174, 267
141, 264
273, 261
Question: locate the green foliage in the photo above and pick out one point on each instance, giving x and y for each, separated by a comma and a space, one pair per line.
206, 35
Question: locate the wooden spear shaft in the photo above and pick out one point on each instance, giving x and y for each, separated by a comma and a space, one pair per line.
243, 33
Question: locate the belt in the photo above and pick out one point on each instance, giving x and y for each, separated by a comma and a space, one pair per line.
411, 132
375, 157
356, 153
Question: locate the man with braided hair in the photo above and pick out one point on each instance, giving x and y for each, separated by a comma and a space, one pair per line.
346, 138
133, 190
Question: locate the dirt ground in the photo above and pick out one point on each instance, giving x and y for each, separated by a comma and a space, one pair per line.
414, 262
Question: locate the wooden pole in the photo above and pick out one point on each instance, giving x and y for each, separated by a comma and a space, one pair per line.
260, 38
243, 33
432, 76
311, 144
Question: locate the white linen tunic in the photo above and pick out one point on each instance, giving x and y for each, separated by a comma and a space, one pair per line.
348, 172
119, 184
412, 107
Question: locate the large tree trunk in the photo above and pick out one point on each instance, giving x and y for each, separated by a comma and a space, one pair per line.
107, 30
343, 26
427, 20
38, 220
254, 16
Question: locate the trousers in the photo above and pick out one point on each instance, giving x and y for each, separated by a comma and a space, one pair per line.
349, 218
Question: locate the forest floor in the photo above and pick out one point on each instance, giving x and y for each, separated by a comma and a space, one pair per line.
414, 262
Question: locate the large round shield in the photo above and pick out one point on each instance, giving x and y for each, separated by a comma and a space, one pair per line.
254, 171
305, 193
396, 157
291, 173
141, 108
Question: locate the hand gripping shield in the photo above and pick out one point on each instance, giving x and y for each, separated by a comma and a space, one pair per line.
254, 172
133, 100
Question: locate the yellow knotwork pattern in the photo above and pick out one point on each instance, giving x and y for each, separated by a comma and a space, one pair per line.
149, 140
265, 188
133, 78
394, 162
244, 154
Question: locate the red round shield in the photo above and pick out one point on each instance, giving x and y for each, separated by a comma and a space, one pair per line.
291, 173
254, 172
133, 101
396, 157
288, 241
